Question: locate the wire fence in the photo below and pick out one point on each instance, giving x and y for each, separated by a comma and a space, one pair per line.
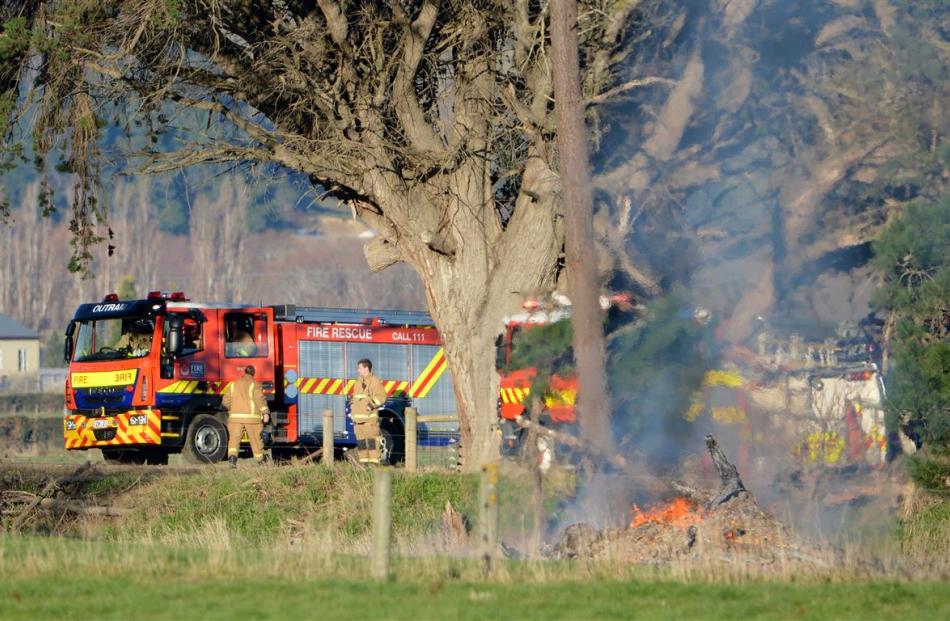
436, 441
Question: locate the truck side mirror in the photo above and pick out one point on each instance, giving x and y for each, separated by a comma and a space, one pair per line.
68, 345
174, 335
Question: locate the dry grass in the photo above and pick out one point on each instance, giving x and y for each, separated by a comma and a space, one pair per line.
925, 525
312, 521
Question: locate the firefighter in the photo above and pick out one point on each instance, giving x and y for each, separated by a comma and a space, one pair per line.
137, 340
240, 344
247, 411
370, 394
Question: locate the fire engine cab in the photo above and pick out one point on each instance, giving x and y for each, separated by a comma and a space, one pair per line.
146, 376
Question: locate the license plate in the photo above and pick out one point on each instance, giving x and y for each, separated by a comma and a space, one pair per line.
101, 423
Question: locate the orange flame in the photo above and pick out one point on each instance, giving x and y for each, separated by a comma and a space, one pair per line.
679, 512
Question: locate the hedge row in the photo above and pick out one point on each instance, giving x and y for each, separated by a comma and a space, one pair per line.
19, 433
32, 402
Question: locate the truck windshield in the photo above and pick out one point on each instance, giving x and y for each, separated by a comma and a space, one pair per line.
114, 339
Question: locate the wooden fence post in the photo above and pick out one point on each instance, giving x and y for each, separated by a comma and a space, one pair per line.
382, 523
488, 515
533, 455
328, 455
411, 440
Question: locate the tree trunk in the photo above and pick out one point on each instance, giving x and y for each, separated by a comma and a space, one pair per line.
471, 290
583, 283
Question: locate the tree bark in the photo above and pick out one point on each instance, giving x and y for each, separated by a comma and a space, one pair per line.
581, 259
470, 293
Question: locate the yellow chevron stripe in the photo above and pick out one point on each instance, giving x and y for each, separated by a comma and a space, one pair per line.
416, 390
504, 397
306, 389
151, 434
335, 387
349, 387
439, 370
169, 388
389, 385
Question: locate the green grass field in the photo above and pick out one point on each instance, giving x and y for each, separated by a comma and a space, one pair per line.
292, 542
73, 579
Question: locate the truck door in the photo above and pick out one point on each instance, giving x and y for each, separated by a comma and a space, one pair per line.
247, 338
198, 360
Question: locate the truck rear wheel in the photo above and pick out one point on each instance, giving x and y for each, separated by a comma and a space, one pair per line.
392, 442
206, 440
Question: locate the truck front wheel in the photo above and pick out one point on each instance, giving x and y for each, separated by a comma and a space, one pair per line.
206, 441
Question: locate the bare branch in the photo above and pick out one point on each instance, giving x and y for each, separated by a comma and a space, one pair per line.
627, 86
414, 122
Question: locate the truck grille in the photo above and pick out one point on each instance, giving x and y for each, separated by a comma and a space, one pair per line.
104, 435
106, 391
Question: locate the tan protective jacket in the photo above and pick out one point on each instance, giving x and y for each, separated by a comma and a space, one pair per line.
245, 401
369, 394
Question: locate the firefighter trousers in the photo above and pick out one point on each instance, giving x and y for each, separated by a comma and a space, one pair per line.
367, 441
236, 429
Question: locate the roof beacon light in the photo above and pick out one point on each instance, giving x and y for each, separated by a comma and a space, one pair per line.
112, 297
178, 296
154, 295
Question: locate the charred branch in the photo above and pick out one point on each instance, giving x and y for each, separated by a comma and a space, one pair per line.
730, 483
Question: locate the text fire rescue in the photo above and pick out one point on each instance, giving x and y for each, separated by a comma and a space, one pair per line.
355, 334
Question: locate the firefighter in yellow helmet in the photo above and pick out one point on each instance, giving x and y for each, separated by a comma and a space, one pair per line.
247, 410
369, 395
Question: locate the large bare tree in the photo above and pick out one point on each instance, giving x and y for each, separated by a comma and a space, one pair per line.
433, 121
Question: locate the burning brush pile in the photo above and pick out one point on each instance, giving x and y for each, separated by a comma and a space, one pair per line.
727, 526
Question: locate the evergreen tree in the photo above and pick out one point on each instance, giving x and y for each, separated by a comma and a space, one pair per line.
913, 253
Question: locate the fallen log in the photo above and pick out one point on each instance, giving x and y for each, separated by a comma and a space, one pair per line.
67, 506
48, 490
614, 459
317, 454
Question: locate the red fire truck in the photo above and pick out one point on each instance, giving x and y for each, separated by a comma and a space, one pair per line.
515, 383
146, 376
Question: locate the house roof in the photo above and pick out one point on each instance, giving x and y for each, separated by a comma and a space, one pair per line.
10, 329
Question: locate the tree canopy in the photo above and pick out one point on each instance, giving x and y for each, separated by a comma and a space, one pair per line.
913, 254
